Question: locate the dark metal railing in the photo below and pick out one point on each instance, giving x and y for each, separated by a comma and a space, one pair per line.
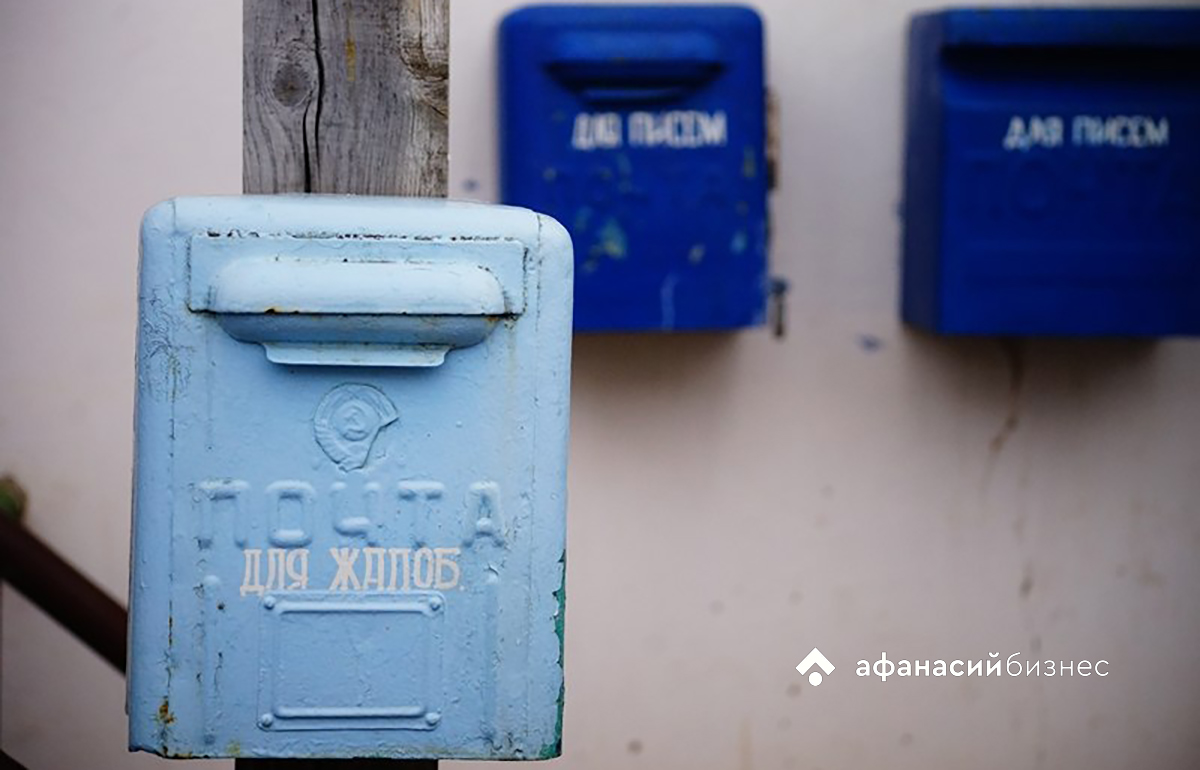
62, 592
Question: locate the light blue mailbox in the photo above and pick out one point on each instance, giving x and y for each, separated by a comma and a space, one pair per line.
350, 479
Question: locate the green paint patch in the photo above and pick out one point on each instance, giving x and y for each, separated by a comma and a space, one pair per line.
623, 165
551, 750
554, 749
749, 163
12, 499
611, 241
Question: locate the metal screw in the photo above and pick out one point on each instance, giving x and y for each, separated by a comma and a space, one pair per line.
432, 718
269, 602
266, 720
435, 603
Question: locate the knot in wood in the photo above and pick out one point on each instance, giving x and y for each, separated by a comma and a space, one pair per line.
292, 84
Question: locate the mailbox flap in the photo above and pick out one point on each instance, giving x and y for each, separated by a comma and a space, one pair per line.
624, 66
359, 299
299, 285
1063, 27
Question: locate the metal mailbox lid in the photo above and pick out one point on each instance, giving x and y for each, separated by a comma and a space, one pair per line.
643, 130
1052, 181
349, 507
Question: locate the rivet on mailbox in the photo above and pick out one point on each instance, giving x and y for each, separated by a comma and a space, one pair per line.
349, 515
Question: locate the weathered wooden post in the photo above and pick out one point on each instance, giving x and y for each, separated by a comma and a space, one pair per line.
345, 96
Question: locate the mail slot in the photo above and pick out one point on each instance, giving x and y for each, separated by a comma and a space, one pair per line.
642, 129
1052, 179
349, 502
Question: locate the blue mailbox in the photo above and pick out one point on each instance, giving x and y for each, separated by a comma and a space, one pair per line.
642, 129
350, 479
1052, 181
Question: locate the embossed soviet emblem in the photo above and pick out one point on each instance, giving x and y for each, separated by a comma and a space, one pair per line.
348, 421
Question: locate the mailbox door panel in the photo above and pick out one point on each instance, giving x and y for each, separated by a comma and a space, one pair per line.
357, 559
1065, 149
642, 129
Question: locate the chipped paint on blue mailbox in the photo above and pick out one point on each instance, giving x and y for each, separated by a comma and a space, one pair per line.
350, 479
1052, 179
643, 130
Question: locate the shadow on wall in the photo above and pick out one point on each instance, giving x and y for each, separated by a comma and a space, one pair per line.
652, 365
1066, 368
642, 399
1079, 383
980, 375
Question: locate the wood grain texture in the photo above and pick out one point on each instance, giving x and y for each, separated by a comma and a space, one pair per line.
345, 96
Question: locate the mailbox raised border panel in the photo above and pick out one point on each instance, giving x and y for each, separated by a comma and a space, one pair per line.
350, 479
